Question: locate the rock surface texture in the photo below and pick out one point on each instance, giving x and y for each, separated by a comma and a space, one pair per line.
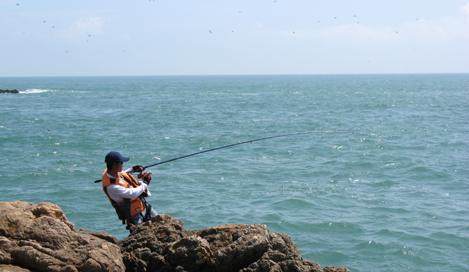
40, 238
164, 245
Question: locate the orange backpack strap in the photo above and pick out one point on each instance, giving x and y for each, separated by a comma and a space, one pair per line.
139, 204
130, 179
122, 210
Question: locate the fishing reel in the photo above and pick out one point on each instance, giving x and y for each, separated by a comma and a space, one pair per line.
145, 176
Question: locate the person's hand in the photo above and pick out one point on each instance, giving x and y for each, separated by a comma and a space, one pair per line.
137, 168
146, 177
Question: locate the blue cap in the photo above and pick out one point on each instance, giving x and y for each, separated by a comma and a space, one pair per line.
115, 156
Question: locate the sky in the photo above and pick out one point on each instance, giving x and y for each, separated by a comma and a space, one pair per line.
219, 37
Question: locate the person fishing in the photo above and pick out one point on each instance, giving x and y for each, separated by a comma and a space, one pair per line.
126, 193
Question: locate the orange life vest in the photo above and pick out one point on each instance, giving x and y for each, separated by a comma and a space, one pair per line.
131, 207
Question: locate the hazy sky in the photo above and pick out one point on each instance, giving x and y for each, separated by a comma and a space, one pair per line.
173, 37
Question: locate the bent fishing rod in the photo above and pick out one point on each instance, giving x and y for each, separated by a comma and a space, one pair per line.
225, 146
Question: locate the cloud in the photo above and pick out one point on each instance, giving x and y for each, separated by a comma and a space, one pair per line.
465, 9
354, 32
83, 29
88, 26
442, 30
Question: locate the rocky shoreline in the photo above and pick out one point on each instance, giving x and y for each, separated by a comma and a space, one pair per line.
13, 91
38, 237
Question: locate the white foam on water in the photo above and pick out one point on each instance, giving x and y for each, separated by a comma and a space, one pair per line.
35, 91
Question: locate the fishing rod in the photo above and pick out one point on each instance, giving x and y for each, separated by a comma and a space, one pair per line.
226, 146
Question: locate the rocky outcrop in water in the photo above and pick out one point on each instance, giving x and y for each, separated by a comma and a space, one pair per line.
14, 91
38, 237
164, 245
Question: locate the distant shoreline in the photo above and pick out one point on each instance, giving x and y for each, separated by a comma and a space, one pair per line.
6, 91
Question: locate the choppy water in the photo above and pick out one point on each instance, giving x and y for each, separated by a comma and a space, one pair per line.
381, 186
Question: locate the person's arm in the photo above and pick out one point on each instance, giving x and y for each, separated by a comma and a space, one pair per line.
117, 192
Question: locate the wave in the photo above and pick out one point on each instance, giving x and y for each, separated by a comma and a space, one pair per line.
35, 91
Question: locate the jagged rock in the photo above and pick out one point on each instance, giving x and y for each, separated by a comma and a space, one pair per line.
14, 91
39, 237
162, 244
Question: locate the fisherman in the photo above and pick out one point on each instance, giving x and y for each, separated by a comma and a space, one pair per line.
125, 192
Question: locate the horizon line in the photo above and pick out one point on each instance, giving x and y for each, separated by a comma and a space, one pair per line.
228, 75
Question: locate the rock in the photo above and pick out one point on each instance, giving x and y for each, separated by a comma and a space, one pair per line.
164, 245
39, 237
14, 91
12, 268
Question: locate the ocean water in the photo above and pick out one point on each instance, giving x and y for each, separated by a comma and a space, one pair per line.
381, 183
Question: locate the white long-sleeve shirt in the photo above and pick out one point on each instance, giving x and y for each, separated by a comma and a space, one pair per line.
119, 193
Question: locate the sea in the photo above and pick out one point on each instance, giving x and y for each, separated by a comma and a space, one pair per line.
379, 182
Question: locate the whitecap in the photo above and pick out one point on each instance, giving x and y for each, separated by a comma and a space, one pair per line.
249, 94
35, 91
